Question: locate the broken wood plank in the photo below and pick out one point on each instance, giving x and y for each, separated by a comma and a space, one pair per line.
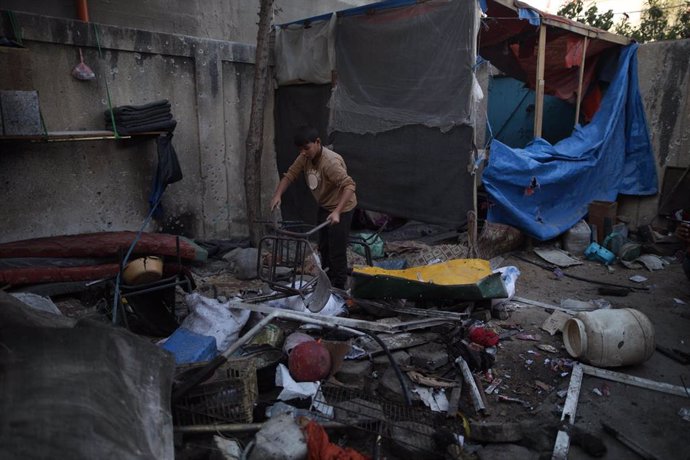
635, 381
560, 448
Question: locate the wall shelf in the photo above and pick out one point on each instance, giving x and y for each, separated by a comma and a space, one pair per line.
71, 136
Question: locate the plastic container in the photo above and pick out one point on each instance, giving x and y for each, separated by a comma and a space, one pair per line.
610, 338
143, 270
576, 240
190, 347
599, 253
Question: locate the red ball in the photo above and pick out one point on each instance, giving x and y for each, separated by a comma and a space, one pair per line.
309, 362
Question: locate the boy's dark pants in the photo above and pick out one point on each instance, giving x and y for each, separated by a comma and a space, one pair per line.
333, 241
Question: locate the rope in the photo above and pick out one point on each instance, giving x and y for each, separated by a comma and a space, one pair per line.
15, 27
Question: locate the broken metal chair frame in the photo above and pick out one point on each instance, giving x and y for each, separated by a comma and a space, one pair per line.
289, 249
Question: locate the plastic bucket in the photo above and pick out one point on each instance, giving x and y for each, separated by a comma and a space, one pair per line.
610, 338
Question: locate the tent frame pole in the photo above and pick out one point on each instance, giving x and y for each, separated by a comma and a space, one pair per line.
539, 100
581, 78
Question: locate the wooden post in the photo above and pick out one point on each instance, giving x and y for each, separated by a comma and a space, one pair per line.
579, 83
254, 143
539, 97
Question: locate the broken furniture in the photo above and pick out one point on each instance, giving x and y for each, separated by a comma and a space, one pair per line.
286, 262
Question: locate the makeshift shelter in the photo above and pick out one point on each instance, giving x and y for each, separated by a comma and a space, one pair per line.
403, 105
545, 189
401, 111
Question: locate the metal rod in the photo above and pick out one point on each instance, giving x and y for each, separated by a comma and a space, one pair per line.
240, 427
303, 235
333, 321
539, 84
580, 80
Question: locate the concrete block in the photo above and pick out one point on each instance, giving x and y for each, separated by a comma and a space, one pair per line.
430, 356
354, 373
20, 113
389, 387
401, 357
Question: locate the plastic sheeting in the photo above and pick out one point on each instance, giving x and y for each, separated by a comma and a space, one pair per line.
545, 189
405, 66
80, 390
305, 54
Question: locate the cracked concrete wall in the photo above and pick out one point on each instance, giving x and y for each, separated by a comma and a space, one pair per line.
216, 19
664, 77
86, 186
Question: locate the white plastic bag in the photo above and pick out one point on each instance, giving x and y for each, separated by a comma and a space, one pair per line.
509, 276
213, 318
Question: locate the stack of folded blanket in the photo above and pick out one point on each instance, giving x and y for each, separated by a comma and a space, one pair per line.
131, 119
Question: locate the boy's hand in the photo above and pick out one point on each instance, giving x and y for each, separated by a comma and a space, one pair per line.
275, 202
334, 217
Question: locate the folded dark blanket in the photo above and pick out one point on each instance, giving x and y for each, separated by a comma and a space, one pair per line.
138, 116
141, 108
143, 121
143, 128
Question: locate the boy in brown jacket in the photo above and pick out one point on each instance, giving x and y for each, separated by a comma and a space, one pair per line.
326, 176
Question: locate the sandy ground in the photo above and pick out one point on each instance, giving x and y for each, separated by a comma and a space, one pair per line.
648, 417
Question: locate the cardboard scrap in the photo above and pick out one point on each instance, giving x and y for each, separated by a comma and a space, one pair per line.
555, 322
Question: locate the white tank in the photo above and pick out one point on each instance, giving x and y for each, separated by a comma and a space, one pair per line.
610, 337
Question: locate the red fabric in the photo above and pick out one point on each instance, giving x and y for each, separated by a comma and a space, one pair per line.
591, 103
483, 336
37, 275
104, 244
511, 45
320, 448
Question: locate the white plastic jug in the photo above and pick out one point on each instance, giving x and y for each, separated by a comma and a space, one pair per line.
610, 338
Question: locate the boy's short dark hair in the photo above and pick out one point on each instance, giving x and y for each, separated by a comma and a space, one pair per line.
305, 135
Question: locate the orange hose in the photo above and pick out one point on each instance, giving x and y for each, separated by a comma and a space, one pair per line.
82, 10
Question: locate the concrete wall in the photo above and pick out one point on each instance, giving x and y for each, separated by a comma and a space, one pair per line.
664, 76
217, 19
190, 54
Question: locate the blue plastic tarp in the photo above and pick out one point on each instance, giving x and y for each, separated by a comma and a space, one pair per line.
545, 189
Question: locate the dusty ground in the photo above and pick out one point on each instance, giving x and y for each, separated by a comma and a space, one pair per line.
648, 417
537, 376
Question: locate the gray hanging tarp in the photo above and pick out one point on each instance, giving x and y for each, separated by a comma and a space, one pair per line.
411, 65
305, 53
80, 390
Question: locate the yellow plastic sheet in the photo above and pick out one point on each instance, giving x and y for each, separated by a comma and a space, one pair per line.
451, 273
